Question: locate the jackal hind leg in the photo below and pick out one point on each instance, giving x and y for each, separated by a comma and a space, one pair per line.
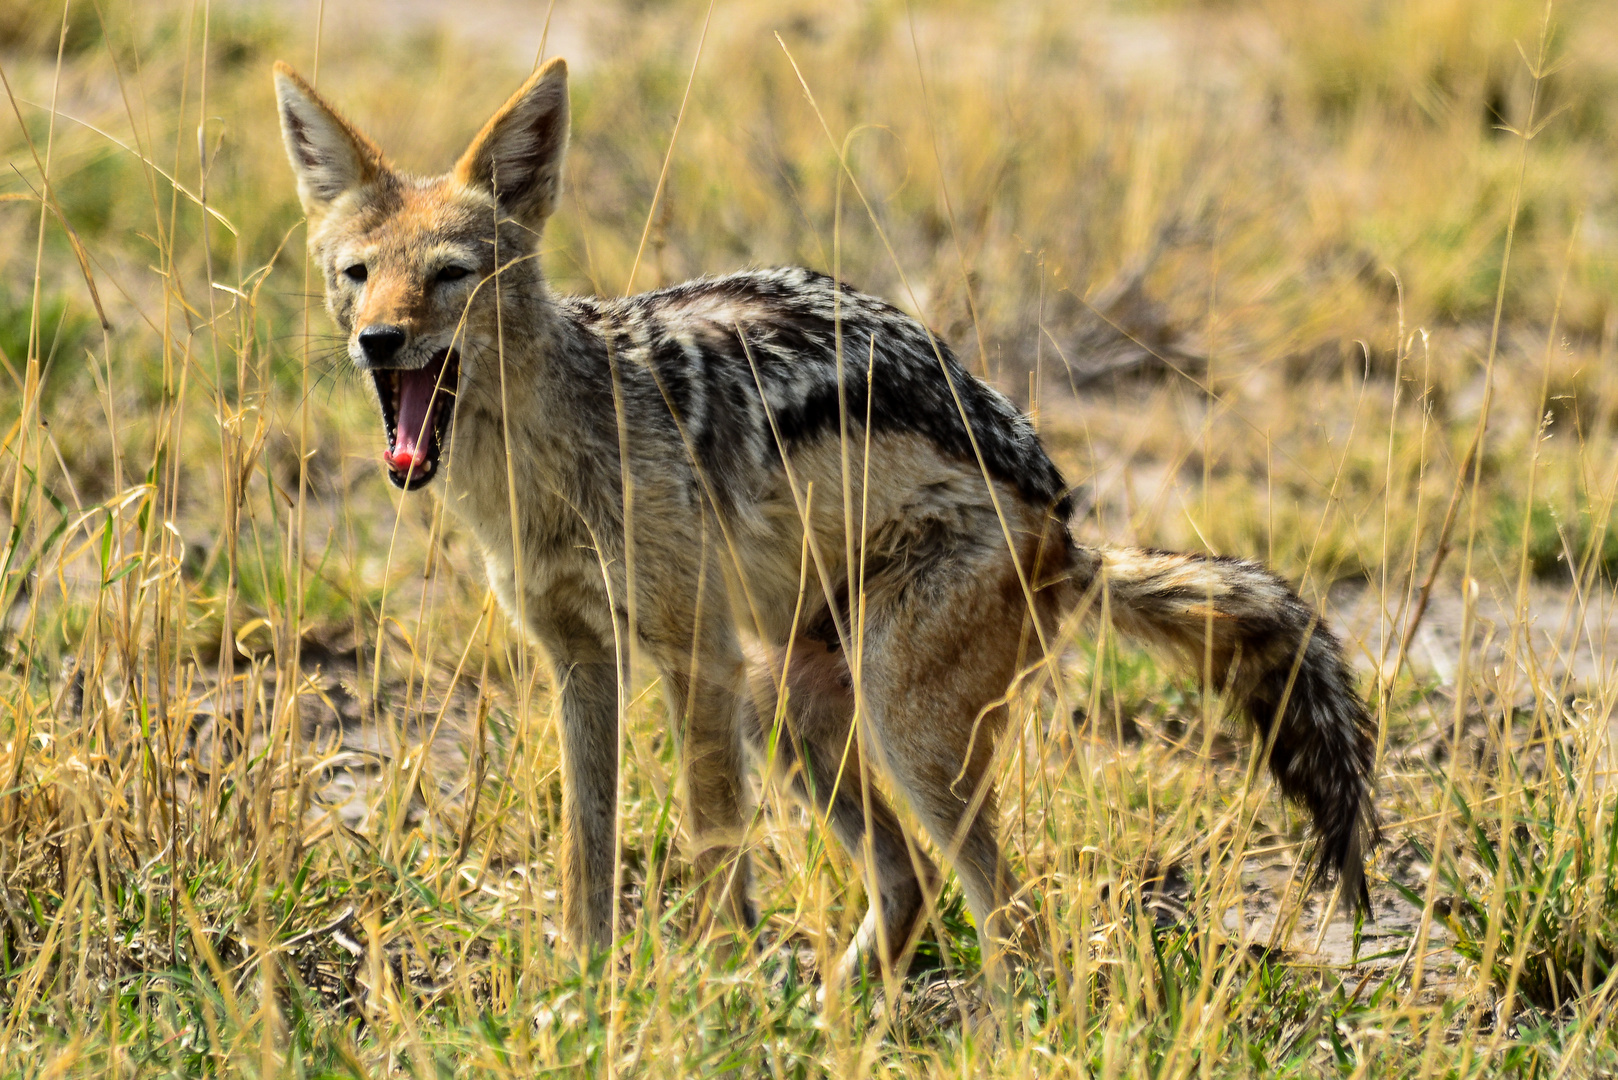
813, 749
941, 653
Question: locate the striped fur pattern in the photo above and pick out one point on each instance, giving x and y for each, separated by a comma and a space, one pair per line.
733, 460
750, 364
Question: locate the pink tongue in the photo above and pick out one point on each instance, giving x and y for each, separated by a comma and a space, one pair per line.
414, 426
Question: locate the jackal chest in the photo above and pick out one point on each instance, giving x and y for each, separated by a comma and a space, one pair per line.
545, 572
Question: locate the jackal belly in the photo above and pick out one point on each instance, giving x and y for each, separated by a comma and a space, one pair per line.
876, 511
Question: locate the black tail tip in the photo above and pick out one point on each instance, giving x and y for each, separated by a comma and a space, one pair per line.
1344, 858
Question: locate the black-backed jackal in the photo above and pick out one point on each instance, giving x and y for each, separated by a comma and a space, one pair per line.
774, 458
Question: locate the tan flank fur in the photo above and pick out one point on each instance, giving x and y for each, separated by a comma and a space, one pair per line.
811, 476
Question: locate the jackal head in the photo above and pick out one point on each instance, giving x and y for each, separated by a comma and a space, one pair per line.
413, 265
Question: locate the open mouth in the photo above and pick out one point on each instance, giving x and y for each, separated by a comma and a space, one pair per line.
416, 410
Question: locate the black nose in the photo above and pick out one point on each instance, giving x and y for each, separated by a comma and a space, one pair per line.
380, 343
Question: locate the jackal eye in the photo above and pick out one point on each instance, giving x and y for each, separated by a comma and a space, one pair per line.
355, 273
452, 273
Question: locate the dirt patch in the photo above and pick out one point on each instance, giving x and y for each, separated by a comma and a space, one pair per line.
356, 734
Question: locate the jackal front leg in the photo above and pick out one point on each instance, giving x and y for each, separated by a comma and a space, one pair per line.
707, 712
589, 728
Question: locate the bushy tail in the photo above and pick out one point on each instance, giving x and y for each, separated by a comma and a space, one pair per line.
1279, 660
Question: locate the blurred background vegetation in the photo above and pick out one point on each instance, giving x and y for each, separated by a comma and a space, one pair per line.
1079, 196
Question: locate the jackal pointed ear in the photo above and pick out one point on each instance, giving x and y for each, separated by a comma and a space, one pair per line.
517, 157
328, 154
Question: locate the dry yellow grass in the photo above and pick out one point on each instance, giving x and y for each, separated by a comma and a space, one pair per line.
278, 789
